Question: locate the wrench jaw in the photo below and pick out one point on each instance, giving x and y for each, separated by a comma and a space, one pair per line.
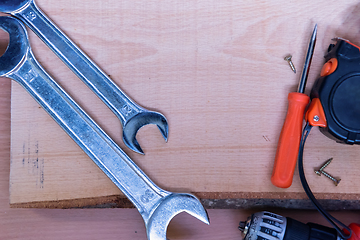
81, 65
172, 205
143, 118
18, 44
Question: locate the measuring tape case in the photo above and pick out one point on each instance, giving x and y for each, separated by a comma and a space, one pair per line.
338, 89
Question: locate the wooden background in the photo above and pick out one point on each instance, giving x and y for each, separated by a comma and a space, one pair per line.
216, 70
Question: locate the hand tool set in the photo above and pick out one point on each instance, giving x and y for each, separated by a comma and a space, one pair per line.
335, 108
131, 115
156, 206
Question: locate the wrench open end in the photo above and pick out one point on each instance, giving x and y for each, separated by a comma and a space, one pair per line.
172, 205
97, 80
141, 119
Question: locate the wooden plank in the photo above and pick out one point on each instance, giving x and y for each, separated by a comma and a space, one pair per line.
41, 224
215, 69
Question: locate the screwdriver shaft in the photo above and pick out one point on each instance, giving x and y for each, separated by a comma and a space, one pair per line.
307, 63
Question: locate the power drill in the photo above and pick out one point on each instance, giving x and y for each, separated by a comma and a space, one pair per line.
269, 226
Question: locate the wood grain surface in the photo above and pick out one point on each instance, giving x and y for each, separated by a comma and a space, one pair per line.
53, 224
215, 69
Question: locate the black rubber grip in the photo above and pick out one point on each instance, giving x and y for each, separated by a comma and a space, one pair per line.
296, 230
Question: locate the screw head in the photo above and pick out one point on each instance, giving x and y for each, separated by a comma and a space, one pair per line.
288, 58
316, 118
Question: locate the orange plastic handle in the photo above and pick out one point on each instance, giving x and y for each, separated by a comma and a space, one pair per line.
289, 141
355, 227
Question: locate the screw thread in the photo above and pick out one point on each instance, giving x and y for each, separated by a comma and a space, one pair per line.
335, 180
326, 164
288, 59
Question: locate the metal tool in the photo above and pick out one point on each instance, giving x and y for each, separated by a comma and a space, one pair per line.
156, 206
270, 226
289, 140
131, 115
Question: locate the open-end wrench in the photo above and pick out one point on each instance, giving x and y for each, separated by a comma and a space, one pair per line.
156, 206
131, 115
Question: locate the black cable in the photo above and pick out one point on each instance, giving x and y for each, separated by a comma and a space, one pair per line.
308, 192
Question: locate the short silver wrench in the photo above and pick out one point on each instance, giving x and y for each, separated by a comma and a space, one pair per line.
156, 206
131, 115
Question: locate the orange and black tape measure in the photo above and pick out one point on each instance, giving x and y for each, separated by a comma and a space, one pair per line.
335, 95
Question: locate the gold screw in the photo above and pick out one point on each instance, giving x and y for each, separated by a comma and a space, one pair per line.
288, 59
318, 172
335, 180
321, 171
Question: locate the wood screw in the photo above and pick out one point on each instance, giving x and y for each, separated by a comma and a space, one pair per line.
318, 172
288, 59
321, 171
335, 180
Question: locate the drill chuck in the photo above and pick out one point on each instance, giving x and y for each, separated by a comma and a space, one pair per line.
270, 226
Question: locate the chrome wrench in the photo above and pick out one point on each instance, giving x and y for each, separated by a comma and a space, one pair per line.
131, 115
156, 206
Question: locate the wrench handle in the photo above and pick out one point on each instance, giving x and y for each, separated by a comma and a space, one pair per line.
78, 62
108, 156
289, 141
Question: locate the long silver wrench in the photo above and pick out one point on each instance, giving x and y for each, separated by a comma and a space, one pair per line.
156, 206
131, 115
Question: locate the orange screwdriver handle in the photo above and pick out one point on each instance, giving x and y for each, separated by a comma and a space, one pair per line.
289, 141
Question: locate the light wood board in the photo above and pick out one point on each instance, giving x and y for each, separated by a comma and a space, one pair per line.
35, 224
215, 69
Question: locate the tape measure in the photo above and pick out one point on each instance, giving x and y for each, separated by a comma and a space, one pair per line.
335, 105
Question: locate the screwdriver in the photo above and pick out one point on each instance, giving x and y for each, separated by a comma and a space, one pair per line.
289, 140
